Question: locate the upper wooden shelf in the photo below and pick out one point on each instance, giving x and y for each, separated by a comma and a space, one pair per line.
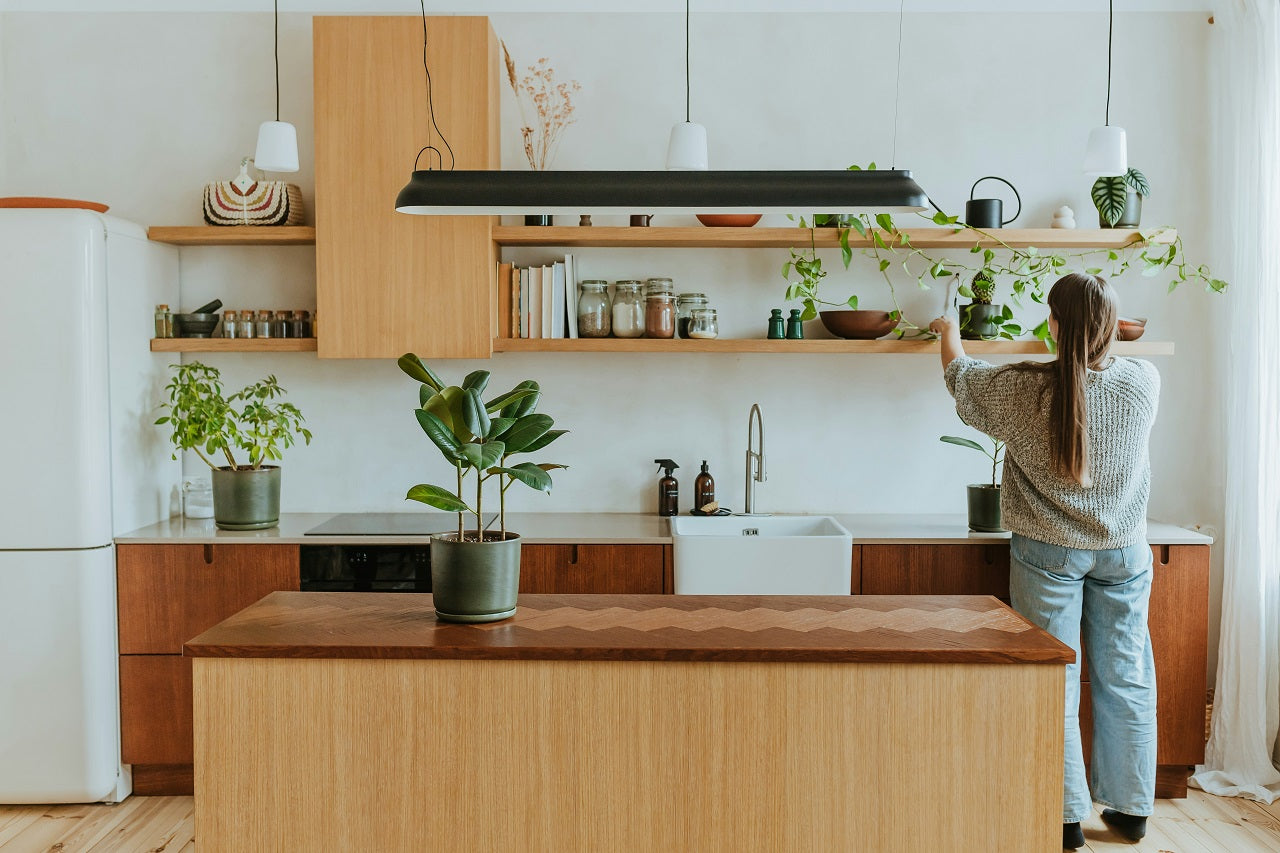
700, 237
757, 345
233, 344
233, 235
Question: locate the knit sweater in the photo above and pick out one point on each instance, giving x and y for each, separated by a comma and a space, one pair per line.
1035, 500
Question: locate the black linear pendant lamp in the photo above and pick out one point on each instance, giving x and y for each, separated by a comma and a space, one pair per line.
1108, 151
487, 193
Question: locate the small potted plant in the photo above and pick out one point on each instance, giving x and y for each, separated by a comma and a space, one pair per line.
984, 499
475, 574
211, 424
982, 319
1119, 199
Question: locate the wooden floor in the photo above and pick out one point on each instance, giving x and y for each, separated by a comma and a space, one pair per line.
1199, 824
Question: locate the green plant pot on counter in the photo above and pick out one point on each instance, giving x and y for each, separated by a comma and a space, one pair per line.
246, 498
984, 508
475, 581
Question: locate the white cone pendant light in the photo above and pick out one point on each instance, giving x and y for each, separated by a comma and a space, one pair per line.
687, 149
277, 149
1108, 152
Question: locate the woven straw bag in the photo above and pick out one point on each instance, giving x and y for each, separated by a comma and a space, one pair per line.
249, 201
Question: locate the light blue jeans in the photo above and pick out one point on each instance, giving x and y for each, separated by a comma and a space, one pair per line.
1103, 594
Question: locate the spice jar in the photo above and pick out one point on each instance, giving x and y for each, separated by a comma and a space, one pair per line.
595, 315
282, 324
164, 322
660, 316
262, 325
301, 324
230, 324
703, 325
658, 286
686, 303
628, 310
245, 328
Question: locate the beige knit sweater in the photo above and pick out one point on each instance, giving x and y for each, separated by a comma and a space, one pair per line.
1036, 501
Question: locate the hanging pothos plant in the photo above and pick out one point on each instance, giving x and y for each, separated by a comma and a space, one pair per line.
1028, 271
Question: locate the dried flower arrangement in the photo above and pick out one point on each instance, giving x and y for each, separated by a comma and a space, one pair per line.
550, 100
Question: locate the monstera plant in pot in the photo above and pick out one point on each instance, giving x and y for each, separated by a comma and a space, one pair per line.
214, 426
984, 499
475, 574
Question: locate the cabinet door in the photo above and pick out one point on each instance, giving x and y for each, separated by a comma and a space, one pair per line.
389, 283
155, 709
1178, 619
936, 570
600, 569
170, 593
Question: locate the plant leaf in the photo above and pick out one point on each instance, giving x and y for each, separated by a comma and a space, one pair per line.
484, 455
525, 431
415, 368
513, 396
437, 497
526, 403
1138, 181
529, 474
455, 401
963, 442
439, 433
1109, 194
497, 426
476, 380
474, 414
546, 438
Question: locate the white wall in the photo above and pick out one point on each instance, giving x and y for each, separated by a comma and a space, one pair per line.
139, 110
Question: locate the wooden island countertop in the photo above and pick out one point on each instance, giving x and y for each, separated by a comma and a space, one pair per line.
813, 629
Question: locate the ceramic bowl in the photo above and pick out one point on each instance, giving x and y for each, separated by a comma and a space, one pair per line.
857, 325
729, 220
195, 325
1131, 328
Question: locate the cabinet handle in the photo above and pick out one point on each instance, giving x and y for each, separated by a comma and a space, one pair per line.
208, 554
573, 558
1164, 555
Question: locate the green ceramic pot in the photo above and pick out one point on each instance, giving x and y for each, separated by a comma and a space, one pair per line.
1131, 216
984, 508
246, 498
475, 581
979, 320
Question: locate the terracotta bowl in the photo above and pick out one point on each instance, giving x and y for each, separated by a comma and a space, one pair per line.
857, 325
1131, 328
729, 220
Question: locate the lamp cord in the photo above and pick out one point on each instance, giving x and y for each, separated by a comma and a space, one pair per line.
1111, 14
275, 5
431, 104
686, 62
897, 87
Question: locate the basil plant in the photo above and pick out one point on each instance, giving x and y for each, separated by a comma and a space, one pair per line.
478, 438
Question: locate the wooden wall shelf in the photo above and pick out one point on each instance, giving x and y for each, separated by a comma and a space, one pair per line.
699, 237
807, 347
233, 235
233, 344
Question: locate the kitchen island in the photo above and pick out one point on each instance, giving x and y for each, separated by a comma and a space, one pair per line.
339, 721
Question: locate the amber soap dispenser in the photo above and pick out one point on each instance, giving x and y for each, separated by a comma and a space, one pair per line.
704, 488
668, 489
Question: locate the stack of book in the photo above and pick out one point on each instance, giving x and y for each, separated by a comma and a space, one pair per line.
537, 301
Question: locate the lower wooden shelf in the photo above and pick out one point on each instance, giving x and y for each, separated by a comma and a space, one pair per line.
748, 345
233, 344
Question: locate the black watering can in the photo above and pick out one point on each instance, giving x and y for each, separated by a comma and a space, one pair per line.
987, 212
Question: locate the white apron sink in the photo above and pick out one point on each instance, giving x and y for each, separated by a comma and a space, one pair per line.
761, 555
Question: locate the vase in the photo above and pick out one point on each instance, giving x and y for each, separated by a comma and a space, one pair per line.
475, 581
246, 498
979, 320
984, 508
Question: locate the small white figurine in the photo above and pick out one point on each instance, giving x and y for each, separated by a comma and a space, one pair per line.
1063, 217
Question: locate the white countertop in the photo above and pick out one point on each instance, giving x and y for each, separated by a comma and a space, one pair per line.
571, 528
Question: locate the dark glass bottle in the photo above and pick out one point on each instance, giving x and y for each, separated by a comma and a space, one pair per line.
704, 488
776, 325
795, 330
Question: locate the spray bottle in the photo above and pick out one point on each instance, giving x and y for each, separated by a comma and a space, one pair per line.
668, 489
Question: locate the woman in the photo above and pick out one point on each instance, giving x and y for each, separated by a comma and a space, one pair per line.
1076, 482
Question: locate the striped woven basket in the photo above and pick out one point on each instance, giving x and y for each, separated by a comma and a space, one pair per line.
259, 203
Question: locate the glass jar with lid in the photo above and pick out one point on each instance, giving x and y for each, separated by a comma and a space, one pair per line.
628, 309
245, 325
262, 324
703, 324
657, 286
595, 314
685, 305
230, 324
660, 316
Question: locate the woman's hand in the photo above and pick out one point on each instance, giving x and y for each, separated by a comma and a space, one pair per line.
942, 325
945, 327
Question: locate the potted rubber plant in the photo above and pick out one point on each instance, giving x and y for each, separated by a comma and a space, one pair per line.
475, 574
214, 426
1118, 199
984, 498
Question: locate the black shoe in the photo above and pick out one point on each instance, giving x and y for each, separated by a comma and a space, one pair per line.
1072, 836
1130, 827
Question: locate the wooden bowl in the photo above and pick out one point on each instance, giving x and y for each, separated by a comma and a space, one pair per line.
857, 325
1130, 329
729, 220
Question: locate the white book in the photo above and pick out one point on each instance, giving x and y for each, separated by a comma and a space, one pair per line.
535, 302
525, 294
548, 301
571, 296
558, 299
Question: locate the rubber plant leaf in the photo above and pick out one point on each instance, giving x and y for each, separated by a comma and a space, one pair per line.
546, 438
437, 497
441, 436
482, 456
416, 369
498, 426
1109, 195
526, 404
455, 399
474, 414
526, 430
512, 396
963, 442
476, 380
529, 474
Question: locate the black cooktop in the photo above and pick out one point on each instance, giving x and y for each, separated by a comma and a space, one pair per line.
392, 524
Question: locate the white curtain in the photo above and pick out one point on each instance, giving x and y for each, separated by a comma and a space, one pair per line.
1242, 753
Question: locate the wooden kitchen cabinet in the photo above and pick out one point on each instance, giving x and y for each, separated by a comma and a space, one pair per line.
936, 570
166, 595
599, 569
389, 283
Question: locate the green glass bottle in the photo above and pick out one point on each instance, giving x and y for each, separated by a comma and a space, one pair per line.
795, 330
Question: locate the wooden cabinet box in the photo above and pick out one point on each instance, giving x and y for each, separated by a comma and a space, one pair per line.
585, 569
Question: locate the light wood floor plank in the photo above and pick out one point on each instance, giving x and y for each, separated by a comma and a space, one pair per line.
156, 828
102, 821
1201, 806
1238, 838
14, 819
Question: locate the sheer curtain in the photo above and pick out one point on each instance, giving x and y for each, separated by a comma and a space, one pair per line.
1242, 752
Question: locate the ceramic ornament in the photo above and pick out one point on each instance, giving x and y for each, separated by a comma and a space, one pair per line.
1063, 217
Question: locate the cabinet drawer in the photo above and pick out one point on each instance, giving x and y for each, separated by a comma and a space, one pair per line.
155, 709
936, 570
598, 569
170, 593
1178, 618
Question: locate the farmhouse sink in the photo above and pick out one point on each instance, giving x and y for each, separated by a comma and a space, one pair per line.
757, 555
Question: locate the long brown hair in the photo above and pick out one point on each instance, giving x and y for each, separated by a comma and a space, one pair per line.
1084, 307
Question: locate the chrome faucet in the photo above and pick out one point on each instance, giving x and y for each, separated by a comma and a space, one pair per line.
755, 473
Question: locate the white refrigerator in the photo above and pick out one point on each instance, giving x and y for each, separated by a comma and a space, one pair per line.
82, 461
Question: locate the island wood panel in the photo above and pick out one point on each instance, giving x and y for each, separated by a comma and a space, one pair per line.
936, 570
626, 756
155, 710
169, 593
386, 282
600, 569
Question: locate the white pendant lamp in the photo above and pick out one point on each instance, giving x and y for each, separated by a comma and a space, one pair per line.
277, 149
1108, 152
687, 149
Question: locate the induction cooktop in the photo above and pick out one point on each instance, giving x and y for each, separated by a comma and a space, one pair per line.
392, 524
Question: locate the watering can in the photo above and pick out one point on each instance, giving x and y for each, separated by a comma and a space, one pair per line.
988, 212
